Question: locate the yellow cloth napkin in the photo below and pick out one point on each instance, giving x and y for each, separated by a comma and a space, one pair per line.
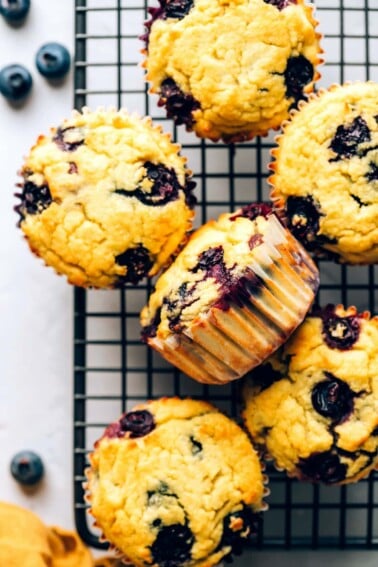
26, 542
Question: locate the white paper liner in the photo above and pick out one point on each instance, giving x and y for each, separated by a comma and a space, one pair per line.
222, 345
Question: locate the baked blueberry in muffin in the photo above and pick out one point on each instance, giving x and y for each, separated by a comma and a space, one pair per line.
233, 295
325, 173
174, 482
312, 406
106, 199
231, 70
26, 540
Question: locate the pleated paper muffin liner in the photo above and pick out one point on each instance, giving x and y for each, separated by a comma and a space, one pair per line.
273, 295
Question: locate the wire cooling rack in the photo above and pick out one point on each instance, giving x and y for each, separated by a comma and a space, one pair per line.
113, 369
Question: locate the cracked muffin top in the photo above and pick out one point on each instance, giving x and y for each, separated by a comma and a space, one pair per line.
313, 406
326, 173
106, 198
175, 482
231, 69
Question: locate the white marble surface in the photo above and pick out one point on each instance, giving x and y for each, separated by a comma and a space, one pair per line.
36, 309
35, 305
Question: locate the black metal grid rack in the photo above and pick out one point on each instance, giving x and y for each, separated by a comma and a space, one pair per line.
113, 370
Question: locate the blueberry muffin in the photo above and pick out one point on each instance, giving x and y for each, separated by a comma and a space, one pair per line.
174, 482
313, 406
233, 295
231, 69
106, 198
326, 173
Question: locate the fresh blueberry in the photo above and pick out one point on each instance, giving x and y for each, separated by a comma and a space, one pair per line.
27, 468
14, 10
15, 82
139, 423
333, 398
53, 60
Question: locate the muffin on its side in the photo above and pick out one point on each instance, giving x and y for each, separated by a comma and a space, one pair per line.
233, 295
313, 406
106, 198
326, 173
175, 482
231, 69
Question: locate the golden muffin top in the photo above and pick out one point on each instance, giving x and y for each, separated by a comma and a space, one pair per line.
314, 405
175, 481
231, 69
106, 198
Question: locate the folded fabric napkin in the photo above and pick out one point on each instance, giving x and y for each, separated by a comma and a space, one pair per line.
25, 541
